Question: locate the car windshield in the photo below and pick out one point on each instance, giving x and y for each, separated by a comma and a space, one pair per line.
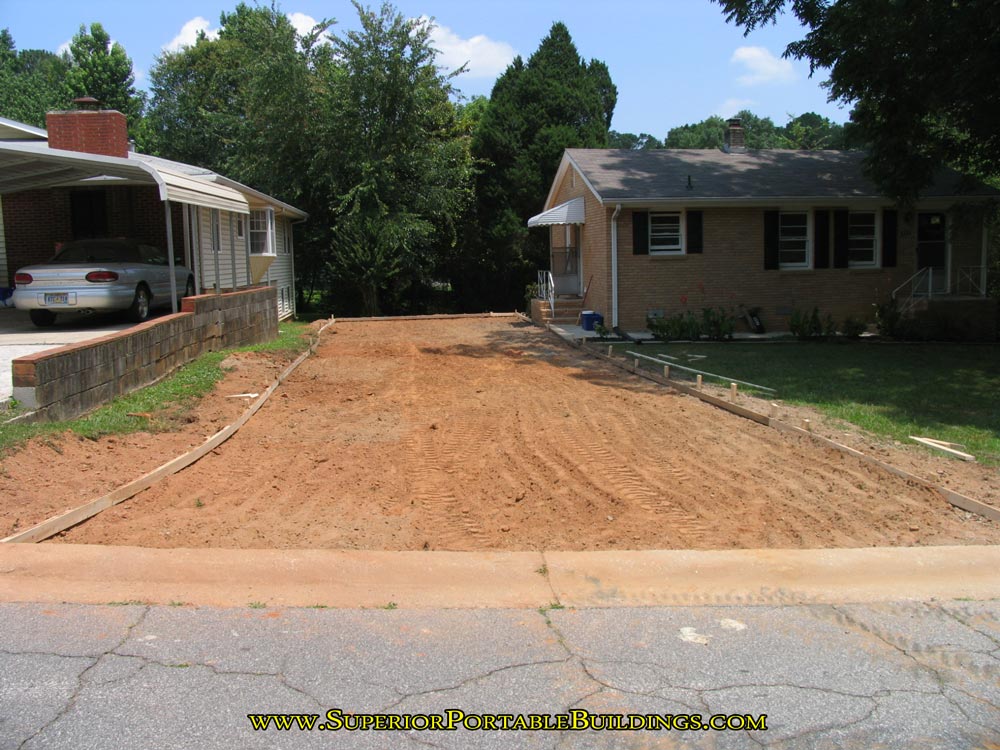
98, 251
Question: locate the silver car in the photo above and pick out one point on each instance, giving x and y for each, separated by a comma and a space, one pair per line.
99, 275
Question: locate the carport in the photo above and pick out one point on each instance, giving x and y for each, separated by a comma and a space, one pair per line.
36, 166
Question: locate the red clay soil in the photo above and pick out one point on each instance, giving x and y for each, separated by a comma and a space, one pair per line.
488, 434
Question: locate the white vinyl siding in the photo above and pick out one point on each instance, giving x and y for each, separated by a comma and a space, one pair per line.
281, 273
794, 244
862, 239
214, 232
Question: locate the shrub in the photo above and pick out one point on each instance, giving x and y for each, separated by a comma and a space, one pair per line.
888, 319
682, 326
805, 326
530, 292
717, 324
852, 328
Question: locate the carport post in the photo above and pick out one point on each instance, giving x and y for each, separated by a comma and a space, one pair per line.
170, 258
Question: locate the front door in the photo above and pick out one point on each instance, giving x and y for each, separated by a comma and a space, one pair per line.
565, 263
932, 252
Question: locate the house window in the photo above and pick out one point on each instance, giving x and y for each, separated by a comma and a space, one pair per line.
794, 249
862, 239
665, 235
240, 227
262, 231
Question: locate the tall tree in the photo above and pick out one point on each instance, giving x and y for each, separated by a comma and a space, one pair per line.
244, 105
32, 82
759, 132
633, 142
537, 109
102, 69
921, 75
813, 132
389, 155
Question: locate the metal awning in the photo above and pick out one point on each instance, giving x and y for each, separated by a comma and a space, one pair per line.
570, 212
33, 166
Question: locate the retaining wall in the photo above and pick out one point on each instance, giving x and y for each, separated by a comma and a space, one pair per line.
65, 382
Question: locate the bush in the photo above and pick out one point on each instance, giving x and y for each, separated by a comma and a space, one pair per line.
530, 292
888, 319
717, 324
805, 326
852, 328
679, 327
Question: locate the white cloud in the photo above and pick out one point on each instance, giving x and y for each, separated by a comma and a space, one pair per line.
189, 34
486, 57
762, 67
733, 105
302, 22
63, 48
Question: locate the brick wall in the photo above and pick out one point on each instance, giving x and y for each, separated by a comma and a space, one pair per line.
731, 272
102, 132
68, 381
36, 221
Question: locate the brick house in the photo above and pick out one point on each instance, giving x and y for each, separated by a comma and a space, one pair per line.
80, 178
653, 233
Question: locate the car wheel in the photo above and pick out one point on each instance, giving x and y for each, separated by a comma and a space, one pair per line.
139, 311
42, 318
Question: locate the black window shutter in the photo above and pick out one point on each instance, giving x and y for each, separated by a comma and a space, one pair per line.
821, 239
770, 240
840, 254
888, 239
640, 233
695, 239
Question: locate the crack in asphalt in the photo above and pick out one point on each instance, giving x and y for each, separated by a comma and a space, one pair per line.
970, 626
81, 678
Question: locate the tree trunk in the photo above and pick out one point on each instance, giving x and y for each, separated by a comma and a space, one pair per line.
369, 299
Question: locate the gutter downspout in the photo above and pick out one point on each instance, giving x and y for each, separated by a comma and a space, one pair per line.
614, 265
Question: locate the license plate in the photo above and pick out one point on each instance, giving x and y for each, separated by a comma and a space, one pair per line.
57, 299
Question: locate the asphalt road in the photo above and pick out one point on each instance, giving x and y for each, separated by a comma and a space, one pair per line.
905, 675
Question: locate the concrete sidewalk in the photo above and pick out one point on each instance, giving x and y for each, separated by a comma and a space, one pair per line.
891, 675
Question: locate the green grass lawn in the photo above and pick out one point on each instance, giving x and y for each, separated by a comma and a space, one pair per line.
944, 391
177, 393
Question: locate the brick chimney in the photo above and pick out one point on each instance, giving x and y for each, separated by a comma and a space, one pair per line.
735, 137
89, 129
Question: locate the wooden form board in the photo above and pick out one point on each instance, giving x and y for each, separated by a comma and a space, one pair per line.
54, 525
957, 499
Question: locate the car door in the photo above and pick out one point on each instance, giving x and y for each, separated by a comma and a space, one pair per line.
155, 273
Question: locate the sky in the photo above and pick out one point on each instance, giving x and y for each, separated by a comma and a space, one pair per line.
673, 61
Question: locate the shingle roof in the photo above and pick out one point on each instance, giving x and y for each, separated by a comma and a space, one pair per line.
662, 174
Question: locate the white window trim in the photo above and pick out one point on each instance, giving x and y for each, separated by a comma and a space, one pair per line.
808, 263
270, 244
682, 250
876, 261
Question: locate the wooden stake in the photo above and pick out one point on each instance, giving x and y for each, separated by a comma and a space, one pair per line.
774, 410
666, 371
807, 425
635, 365
697, 382
732, 391
610, 350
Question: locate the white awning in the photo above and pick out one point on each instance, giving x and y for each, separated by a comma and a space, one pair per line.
32, 166
570, 212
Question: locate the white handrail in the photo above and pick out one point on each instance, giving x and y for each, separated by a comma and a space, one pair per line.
910, 299
547, 289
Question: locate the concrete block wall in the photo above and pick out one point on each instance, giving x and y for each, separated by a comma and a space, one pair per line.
65, 382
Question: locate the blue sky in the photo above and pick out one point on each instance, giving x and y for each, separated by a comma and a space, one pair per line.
674, 61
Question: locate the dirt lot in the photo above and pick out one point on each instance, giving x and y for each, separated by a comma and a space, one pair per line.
483, 434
